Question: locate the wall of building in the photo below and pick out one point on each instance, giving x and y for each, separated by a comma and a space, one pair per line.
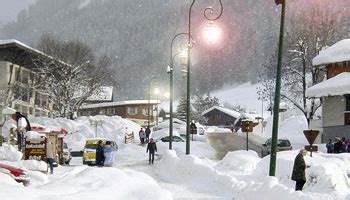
333, 111
337, 68
216, 118
21, 97
335, 131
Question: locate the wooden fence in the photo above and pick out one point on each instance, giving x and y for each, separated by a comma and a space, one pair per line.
129, 138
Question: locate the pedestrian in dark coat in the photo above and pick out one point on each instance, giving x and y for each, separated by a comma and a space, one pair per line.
329, 146
148, 132
338, 146
298, 173
152, 148
100, 158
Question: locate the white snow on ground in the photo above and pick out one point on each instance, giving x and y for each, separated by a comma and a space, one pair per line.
240, 175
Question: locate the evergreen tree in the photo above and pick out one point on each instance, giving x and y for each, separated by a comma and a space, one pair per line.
181, 109
202, 104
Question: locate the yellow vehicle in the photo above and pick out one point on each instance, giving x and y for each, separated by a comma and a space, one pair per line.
89, 154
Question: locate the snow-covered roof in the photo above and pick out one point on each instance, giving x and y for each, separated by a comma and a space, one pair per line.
105, 94
22, 45
229, 112
338, 52
335, 86
119, 103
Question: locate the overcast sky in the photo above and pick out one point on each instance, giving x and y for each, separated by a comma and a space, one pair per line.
10, 8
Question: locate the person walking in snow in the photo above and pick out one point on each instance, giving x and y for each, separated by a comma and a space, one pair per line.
329, 146
151, 148
108, 153
298, 173
142, 136
50, 155
148, 132
100, 154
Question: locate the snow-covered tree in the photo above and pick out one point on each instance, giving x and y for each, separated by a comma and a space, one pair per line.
307, 33
71, 75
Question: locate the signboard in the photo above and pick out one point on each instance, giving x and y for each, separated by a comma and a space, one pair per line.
311, 135
193, 128
35, 149
311, 148
247, 126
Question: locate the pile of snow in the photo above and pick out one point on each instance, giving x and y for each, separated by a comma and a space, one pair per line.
92, 183
113, 128
30, 135
241, 161
10, 153
198, 175
325, 176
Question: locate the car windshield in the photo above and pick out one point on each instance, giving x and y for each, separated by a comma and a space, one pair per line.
91, 146
283, 143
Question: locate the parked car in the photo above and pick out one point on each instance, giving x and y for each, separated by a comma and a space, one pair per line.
89, 152
282, 145
175, 139
66, 154
17, 174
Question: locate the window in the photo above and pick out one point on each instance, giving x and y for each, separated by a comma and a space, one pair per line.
145, 112
132, 111
347, 111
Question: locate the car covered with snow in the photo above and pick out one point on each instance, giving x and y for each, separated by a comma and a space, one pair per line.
17, 174
282, 145
175, 139
66, 154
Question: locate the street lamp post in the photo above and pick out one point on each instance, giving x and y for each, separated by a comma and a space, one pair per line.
207, 12
96, 122
171, 85
272, 170
149, 100
156, 92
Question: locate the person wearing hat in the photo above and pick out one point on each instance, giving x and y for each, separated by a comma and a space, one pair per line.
299, 167
152, 148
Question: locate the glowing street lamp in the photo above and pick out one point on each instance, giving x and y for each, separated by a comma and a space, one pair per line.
209, 15
211, 33
170, 71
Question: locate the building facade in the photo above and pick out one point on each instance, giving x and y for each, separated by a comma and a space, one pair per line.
334, 92
18, 80
134, 110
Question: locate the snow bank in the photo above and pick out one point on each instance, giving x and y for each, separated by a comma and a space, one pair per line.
113, 128
242, 162
10, 153
192, 170
198, 175
108, 183
325, 175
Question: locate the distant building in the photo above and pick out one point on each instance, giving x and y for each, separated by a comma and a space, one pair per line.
335, 91
17, 77
222, 117
135, 110
227, 118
